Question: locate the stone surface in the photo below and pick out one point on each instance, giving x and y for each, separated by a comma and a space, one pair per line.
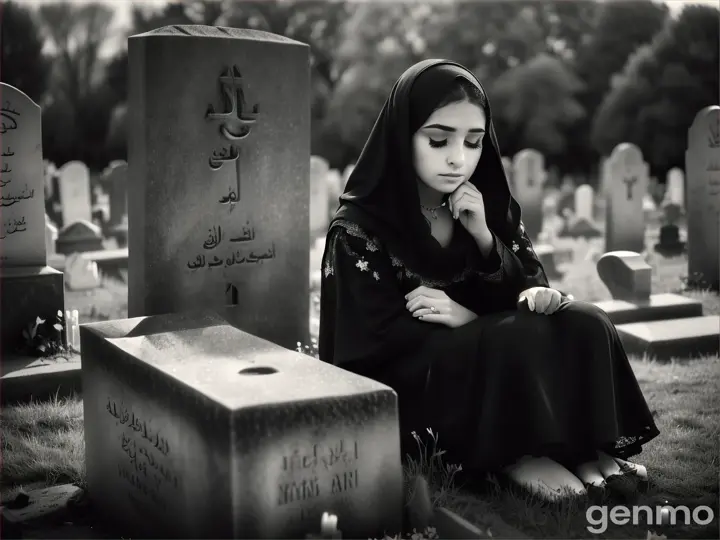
22, 207
528, 185
27, 292
43, 503
675, 188
702, 167
547, 255
78, 237
676, 338
74, 187
657, 307
51, 236
670, 244
196, 429
626, 183
219, 157
626, 275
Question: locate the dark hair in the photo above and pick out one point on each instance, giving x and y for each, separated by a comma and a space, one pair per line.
464, 90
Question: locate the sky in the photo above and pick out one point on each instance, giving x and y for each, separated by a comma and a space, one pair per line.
123, 8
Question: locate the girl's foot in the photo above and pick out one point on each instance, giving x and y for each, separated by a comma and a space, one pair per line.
545, 477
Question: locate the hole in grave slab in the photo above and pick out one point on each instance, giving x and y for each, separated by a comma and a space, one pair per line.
258, 370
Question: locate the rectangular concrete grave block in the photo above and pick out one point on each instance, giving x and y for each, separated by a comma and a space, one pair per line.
218, 169
28, 292
196, 429
677, 338
657, 307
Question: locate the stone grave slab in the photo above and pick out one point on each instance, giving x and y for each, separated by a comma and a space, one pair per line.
626, 274
219, 172
676, 338
26, 378
657, 307
43, 503
196, 429
79, 236
529, 178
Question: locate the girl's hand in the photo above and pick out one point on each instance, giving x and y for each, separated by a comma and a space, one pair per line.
466, 204
541, 299
434, 306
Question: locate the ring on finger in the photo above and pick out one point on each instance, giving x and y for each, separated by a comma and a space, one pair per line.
433, 309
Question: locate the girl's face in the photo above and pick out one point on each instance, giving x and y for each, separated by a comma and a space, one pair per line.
448, 146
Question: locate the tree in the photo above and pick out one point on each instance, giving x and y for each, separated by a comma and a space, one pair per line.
620, 28
534, 103
23, 64
654, 100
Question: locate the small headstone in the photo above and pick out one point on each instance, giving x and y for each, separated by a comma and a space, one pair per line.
196, 429
670, 244
28, 287
528, 188
675, 188
702, 166
627, 180
116, 179
75, 197
318, 196
79, 236
81, 273
582, 223
626, 275
335, 189
219, 158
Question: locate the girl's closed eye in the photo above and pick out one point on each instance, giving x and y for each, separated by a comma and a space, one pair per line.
438, 144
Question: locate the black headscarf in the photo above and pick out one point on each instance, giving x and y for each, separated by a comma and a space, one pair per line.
381, 195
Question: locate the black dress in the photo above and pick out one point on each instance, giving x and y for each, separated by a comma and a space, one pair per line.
510, 383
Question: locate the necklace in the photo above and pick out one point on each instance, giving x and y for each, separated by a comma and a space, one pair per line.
433, 211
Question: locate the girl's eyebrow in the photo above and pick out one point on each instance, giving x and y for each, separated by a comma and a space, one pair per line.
452, 129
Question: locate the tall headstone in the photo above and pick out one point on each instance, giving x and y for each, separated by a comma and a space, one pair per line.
319, 194
626, 181
29, 288
195, 429
74, 184
702, 167
528, 188
218, 168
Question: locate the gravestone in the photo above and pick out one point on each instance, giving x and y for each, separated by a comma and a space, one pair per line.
51, 236
582, 223
335, 189
702, 169
626, 180
29, 288
675, 189
81, 273
528, 187
670, 244
196, 429
74, 187
218, 168
628, 278
319, 194
80, 236
116, 179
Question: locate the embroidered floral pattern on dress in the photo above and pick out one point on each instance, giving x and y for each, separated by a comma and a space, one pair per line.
376, 276
374, 244
515, 247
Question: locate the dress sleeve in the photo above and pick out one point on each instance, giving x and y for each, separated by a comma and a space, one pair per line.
521, 262
363, 305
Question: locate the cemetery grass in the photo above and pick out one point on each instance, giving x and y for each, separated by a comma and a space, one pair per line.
43, 442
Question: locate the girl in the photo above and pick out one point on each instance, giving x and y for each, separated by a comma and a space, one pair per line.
431, 286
